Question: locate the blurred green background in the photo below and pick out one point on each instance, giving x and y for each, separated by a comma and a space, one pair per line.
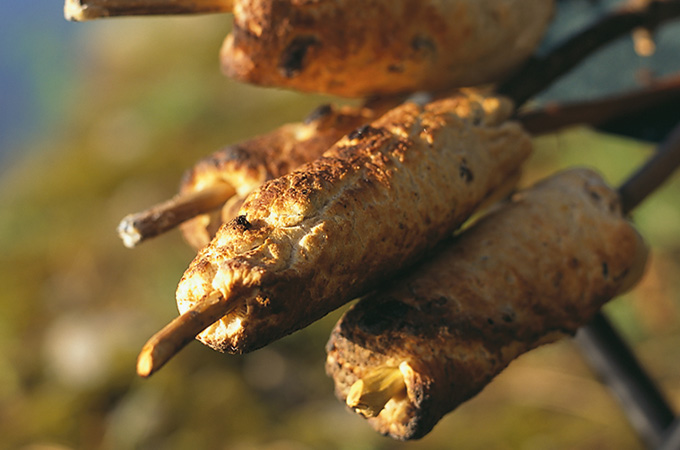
101, 119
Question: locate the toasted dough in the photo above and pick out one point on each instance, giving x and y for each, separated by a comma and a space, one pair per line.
358, 48
307, 242
247, 165
533, 270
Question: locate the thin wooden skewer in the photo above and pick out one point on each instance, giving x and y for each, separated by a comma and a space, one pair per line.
138, 227
183, 329
82, 10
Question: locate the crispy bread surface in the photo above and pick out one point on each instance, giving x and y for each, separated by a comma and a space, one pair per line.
247, 165
357, 48
529, 272
307, 242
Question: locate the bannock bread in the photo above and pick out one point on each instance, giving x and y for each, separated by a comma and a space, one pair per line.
247, 165
307, 242
358, 48
212, 191
533, 270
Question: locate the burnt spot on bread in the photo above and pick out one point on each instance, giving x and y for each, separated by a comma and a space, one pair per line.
465, 172
437, 306
293, 57
478, 116
395, 68
363, 132
242, 223
594, 195
385, 316
557, 279
611, 203
423, 44
605, 270
622, 275
319, 113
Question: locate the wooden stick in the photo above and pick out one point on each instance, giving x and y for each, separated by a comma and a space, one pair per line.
82, 10
138, 227
556, 116
538, 73
174, 336
653, 174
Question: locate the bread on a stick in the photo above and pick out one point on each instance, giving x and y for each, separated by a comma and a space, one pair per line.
249, 164
535, 269
357, 48
307, 242
213, 190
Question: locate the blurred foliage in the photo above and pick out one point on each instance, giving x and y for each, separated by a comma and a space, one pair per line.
77, 306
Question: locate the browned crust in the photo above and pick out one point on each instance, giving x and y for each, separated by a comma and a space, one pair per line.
534, 269
248, 164
311, 240
365, 47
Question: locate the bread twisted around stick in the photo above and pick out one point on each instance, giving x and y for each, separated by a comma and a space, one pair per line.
309, 241
533, 270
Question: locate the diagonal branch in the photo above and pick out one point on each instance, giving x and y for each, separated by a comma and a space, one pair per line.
554, 116
81, 10
653, 174
539, 73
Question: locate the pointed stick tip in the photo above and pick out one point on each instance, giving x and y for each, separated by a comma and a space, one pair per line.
145, 366
74, 11
182, 330
128, 232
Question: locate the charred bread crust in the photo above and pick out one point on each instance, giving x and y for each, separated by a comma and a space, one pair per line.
248, 164
358, 48
372, 204
531, 271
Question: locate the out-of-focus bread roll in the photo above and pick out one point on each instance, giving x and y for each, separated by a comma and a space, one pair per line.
369, 47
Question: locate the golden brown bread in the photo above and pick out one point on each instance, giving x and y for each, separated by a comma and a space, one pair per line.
531, 271
368, 47
248, 164
309, 241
